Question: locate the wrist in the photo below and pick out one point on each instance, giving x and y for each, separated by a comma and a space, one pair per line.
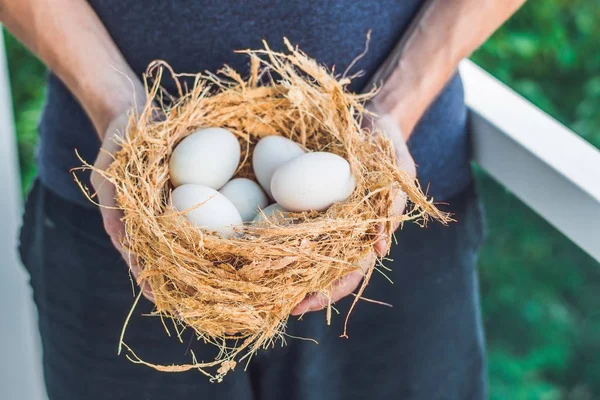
406, 118
109, 97
403, 110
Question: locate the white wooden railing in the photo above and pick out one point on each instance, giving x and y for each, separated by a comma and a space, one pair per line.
20, 356
543, 163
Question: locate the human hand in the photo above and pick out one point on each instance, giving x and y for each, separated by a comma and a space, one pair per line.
390, 128
346, 285
115, 228
105, 192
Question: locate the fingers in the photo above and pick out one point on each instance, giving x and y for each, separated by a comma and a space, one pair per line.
389, 127
115, 229
381, 245
398, 206
147, 291
135, 269
346, 285
111, 215
340, 289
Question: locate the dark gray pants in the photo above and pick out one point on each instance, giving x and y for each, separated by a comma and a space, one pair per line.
429, 346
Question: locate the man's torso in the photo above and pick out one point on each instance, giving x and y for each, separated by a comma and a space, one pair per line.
194, 36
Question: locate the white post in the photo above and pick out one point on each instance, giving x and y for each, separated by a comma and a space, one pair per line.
20, 356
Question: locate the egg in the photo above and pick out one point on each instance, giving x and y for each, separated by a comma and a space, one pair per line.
215, 212
274, 213
270, 153
313, 181
246, 195
208, 157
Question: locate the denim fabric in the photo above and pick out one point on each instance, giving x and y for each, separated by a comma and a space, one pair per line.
198, 35
429, 345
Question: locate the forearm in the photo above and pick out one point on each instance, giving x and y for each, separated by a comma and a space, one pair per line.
70, 39
448, 31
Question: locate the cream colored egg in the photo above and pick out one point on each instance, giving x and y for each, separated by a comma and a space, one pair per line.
270, 153
274, 213
246, 195
215, 212
313, 181
208, 157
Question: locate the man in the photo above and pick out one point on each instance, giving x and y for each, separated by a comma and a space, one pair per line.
428, 346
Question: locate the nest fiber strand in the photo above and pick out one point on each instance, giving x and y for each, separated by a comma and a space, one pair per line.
249, 284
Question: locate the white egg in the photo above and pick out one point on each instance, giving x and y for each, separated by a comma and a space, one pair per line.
246, 195
215, 212
270, 153
274, 213
208, 157
313, 181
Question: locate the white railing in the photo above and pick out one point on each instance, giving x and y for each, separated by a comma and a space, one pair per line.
20, 356
543, 163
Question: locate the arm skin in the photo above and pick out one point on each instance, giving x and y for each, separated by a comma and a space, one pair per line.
68, 36
444, 33
70, 39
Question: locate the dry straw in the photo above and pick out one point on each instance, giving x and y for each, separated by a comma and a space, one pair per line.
249, 284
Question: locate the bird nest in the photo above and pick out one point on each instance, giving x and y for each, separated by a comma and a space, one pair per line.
244, 287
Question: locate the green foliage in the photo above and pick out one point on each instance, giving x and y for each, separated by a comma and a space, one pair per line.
540, 305
549, 52
27, 78
539, 291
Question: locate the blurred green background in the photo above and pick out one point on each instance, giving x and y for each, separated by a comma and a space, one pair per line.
540, 293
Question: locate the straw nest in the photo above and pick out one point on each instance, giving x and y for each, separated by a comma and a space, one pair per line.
244, 288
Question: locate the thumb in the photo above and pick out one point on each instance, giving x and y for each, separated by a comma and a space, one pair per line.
389, 128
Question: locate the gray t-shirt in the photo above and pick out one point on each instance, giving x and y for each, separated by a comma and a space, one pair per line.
197, 35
